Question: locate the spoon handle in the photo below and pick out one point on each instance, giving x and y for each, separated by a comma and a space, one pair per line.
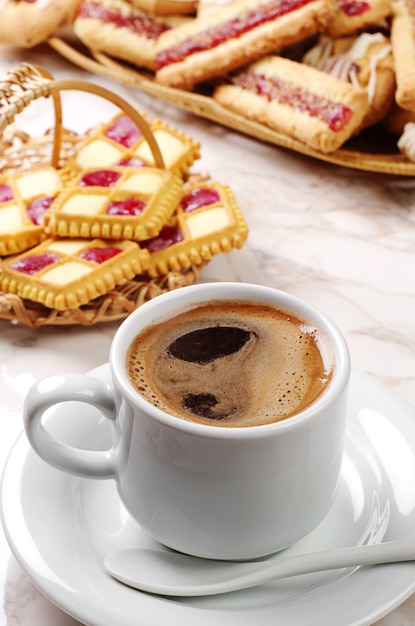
388, 552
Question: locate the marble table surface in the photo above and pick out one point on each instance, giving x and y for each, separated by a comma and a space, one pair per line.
341, 239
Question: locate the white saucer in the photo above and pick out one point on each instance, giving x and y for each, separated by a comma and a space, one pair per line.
60, 528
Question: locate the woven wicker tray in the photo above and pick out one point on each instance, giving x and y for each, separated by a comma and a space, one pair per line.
373, 151
20, 152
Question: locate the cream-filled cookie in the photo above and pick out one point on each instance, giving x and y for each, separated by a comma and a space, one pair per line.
364, 60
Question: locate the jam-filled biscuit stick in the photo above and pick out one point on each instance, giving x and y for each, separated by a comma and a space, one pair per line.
26, 23
364, 60
352, 16
121, 142
119, 29
297, 100
24, 200
115, 203
403, 46
67, 273
207, 222
212, 45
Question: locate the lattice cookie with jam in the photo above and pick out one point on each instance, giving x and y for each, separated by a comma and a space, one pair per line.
207, 222
67, 273
24, 200
121, 142
116, 203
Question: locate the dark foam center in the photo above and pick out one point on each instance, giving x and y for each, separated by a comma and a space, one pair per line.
208, 344
207, 405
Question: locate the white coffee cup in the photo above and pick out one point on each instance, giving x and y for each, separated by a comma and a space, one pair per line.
208, 491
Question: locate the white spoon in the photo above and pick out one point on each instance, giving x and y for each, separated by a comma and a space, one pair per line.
174, 574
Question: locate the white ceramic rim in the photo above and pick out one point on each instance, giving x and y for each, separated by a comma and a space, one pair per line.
181, 298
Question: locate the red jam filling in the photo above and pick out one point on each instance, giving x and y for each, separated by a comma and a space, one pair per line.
99, 255
198, 198
143, 25
353, 7
124, 131
231, 29
34, 263
129, 206
37, 208
167, 237
99, 178
6, 193
335, 114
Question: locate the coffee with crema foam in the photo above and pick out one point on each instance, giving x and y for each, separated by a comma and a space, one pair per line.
231, 364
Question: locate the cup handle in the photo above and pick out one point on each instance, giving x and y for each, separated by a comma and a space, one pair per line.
53, 390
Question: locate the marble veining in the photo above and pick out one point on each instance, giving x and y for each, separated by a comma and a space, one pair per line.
341, 239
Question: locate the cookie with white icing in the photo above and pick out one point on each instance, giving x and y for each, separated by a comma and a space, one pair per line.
365, 61
27, 24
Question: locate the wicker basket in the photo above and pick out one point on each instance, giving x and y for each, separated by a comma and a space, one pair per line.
372, 151
20, 152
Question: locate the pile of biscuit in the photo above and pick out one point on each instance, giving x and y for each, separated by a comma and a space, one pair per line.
66, 240
319, 71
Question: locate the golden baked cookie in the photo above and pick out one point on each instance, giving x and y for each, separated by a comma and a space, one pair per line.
406, 142
211, 45
396, 118
122, 30
67, 273
352, 16
364, 60
204, 7
207, 222
24, 200
27, 23
167, 7
115, 203
403, 46
120, 142
297, 100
